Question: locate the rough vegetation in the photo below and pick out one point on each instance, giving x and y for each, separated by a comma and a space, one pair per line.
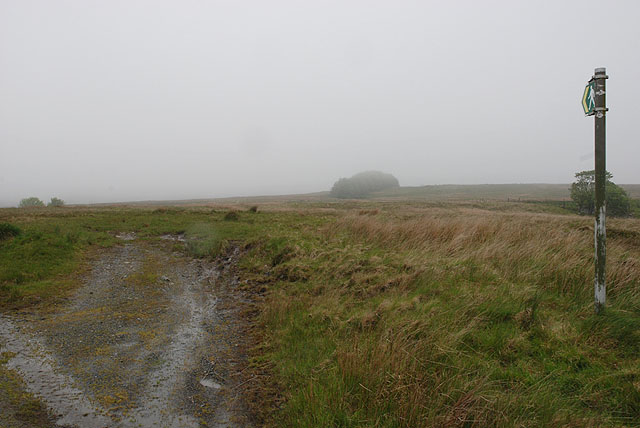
8, 230
232, 216
456, 317
395, 314
363, 184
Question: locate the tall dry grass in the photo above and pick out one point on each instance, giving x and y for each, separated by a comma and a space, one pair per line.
454, 317
464, 342
547, 250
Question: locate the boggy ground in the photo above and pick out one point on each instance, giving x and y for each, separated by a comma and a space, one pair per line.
362, 314
152, 338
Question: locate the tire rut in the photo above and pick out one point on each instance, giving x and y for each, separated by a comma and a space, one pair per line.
141, 343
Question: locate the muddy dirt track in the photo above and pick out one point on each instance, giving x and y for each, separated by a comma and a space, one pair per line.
152, 338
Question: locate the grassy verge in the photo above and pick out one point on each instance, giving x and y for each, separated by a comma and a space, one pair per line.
395, 314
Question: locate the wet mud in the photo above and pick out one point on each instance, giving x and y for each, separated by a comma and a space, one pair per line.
152, 338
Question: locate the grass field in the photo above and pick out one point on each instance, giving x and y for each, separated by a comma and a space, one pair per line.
392, 313
516, 192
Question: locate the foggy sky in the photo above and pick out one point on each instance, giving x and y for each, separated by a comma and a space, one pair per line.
139, 100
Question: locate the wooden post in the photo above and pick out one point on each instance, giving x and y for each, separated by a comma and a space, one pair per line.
600, 77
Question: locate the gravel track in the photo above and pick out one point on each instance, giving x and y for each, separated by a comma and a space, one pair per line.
144, 342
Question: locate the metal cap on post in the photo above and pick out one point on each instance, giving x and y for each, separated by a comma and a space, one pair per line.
600, 77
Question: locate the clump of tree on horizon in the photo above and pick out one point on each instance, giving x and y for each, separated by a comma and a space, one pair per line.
36, 202
362, 184
583, 193
31, 202
56, 202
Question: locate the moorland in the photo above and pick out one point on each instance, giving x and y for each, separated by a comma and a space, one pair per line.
387, 312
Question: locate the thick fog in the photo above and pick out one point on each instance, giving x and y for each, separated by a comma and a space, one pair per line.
138, 100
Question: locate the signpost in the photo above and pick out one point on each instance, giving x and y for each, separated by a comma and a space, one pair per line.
594, 104
589, 99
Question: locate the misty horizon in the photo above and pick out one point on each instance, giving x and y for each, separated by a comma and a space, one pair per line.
135, 101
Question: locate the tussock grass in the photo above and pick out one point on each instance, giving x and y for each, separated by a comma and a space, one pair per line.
547, 250
203, 240
7, 230
232, 216
456, 317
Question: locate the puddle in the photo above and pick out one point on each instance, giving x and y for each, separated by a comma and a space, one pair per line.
132, 356
177, 357
43, 379
130, 236
179, 237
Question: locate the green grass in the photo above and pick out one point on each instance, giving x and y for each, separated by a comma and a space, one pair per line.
365, 331
37, 265
394, 314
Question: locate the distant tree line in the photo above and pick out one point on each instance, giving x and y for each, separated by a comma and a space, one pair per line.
583, 193
36, 202
362, 184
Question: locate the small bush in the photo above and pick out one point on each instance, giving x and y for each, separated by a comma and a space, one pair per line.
8, 230
253, 209
232, 216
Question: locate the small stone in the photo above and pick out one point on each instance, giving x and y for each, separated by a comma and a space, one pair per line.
210, 384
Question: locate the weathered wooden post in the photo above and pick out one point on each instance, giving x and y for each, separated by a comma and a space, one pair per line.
600, 78
594, 103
